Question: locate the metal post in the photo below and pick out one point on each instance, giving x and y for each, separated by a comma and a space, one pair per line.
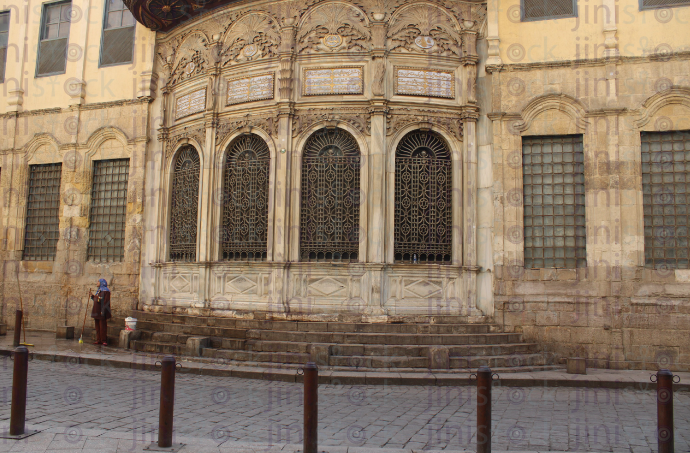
311, 407
165, 417
484, 409
21, 370
17, 328
664, 408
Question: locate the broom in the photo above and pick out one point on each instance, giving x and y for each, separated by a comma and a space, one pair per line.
21, 303
81, 341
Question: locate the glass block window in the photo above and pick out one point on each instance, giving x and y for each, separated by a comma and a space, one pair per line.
647, 4
330, 197
118, 34
42, 212
423, 194
4, 32
548, 9
666, 197
245, 202
52, 50
184, 205
554, 202
108, 210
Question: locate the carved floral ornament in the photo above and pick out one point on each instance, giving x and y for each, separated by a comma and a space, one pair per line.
398, 119
227, 38
360, 119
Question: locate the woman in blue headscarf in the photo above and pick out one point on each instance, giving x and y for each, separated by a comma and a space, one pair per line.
101, 311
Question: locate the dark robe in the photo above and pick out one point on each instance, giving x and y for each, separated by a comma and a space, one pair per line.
101, 306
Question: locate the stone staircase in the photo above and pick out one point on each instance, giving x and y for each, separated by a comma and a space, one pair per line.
435, 342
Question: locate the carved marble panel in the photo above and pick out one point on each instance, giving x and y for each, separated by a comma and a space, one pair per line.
191, 103
246, 89
322, 81
180, 284
424, 82
231, 283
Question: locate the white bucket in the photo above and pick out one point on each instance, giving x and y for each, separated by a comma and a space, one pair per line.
130, 323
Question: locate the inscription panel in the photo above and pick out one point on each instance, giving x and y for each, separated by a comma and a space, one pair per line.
247, 89
424, 82
191, 103
323, 81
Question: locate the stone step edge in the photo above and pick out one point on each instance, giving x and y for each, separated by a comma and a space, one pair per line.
346, 378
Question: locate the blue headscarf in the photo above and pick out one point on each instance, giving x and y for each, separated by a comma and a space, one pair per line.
104, 285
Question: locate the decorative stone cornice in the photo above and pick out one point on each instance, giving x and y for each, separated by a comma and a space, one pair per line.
359, 118
398, 119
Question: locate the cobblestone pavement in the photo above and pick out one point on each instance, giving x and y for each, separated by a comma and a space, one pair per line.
74, 399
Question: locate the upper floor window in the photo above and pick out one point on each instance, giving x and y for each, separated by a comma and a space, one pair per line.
4, 31
548, 9
52, 50
665, 199
649, 4
117, 46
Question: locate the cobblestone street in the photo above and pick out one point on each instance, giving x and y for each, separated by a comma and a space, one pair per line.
77, 398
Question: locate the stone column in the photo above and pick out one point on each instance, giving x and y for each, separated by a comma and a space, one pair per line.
469, 225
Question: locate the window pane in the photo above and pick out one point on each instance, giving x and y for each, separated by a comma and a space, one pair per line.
3, 39
66, 13
118, 46
52, 57
53, 14
4, 22
108, 208
114, 19
557, 207
64, 30
127, 18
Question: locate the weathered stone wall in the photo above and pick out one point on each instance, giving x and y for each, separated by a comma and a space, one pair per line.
55, 292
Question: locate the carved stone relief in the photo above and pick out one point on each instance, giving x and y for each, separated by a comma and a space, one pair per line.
197, 133
360, 119
422, 29
334, 27
399, 118
251, 37
268, 123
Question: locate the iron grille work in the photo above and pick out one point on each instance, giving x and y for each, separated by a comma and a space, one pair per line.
423, 194
108, 210
548, 9
646, 4
666, 197
554, 202
245, 201
184, 205
43, 212
330, 197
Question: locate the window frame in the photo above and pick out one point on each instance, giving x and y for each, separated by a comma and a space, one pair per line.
652, 7
44, 17
9, 21
536, 19
103, 29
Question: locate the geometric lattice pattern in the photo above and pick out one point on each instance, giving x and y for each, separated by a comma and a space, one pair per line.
108, 210
184, 205
245, 201
666, 197
554, 202
43, 212
543, 9
423, 194
330, 197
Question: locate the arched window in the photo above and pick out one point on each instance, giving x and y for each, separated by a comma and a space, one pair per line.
184, 205
245, 202
330, 197
423, 194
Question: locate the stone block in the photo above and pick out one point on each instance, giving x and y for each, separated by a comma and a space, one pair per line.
576, 365
320, 354
196, 344
64, 332
128, 335
439, 358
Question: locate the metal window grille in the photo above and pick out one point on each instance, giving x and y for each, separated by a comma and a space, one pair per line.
666, 197
184, 205
548, 9
245, 201
52, 51
118, 34
330, 197
43, 212
4, 33
108, 210
647, 4
554, 202
423, 194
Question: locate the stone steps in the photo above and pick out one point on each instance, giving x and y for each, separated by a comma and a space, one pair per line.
446, 343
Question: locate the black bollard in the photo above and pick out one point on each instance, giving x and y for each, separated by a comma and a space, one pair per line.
165, 417
21, 371
664, 410
311, 407
484, 409
17, 328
